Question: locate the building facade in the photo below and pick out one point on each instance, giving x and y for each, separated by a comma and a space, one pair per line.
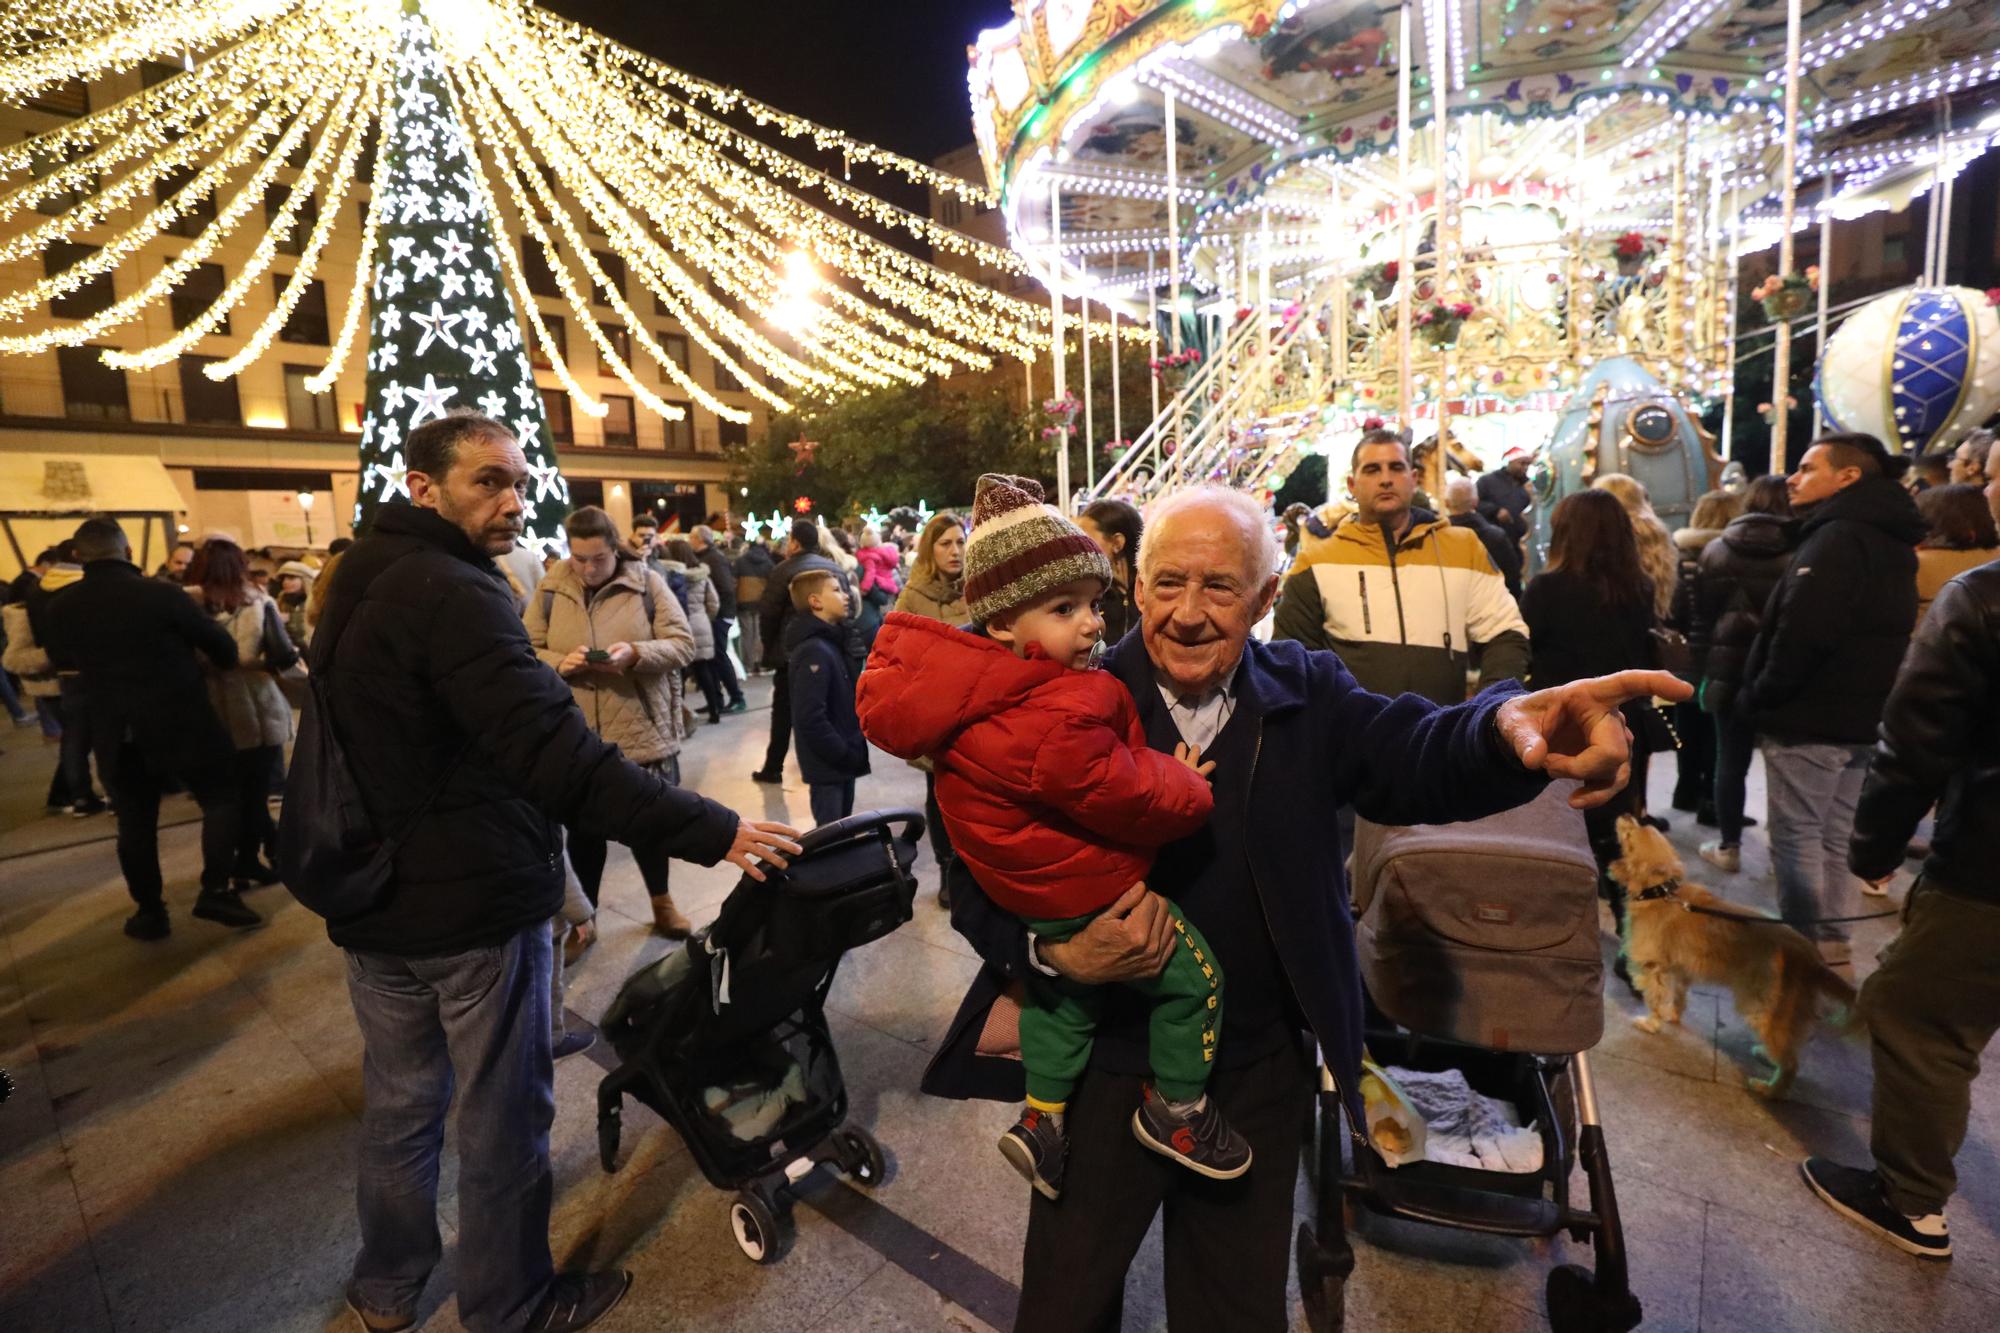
240, 452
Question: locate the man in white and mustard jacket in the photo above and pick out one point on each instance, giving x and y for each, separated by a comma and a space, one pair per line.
1409, 602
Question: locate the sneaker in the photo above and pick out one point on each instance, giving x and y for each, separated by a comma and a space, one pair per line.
373, 1321
1726, 859
86, 808
773, 779
1704, 815
1037, 1147
1201, 1140
258, 876
1858, 1196
578, 1300
149, 923
226, 909
575, 1042
738, 706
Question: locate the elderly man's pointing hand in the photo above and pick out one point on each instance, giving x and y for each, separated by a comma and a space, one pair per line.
1576, 730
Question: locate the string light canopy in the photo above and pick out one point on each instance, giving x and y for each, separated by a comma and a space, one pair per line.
593, 151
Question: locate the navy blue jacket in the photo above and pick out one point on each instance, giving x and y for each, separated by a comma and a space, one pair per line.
831, 747
1321, 741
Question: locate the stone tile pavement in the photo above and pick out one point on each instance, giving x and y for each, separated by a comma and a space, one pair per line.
180, 1154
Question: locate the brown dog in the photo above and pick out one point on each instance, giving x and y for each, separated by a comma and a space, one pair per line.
1775, 972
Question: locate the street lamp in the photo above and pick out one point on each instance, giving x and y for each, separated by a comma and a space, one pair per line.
306, 499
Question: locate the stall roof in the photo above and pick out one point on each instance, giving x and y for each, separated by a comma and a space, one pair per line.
86, 484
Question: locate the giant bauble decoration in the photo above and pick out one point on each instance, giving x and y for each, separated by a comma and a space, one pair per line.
1917, 368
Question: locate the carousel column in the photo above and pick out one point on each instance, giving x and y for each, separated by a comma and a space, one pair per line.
1153, 338
1729, 317
1677, 248
1447, 259
1056, 344
1173, 227
1579, 309
1781, 351
1263, 301
1825, 286
1117, 412
1405, 372
1089, 421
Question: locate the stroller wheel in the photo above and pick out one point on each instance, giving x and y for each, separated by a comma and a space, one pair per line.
1577, 1305
755, 1224
860, 1155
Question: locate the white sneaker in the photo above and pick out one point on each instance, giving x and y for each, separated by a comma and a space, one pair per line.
1727, 859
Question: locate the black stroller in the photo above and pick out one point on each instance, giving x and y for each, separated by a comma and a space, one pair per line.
727, 1039
1479, 951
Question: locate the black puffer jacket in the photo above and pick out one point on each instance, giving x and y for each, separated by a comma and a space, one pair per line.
424, 658
1839, 620
1941, 742
1732, 582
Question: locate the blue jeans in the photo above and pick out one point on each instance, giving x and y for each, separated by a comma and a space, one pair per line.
479, 1022
1813, 791
831, 801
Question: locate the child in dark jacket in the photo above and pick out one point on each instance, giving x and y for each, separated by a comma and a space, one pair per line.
832, 751
1057, 804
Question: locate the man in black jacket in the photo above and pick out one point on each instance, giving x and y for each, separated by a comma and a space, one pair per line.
1461, 507
1824, 659
721, 573
445, 713
1934, 1004
132, 641
775, 611
1504, 497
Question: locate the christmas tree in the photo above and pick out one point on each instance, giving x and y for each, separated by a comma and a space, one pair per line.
444, 335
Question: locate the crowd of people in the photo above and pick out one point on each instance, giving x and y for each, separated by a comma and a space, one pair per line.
1094, 704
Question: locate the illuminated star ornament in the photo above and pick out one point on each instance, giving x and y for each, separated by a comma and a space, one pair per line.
803, 451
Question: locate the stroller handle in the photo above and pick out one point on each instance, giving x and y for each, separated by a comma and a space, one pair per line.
862, 824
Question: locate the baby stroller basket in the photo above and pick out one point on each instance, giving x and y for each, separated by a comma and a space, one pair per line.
727, 1038
1485, 932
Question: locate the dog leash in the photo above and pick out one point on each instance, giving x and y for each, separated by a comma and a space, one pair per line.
1669, 888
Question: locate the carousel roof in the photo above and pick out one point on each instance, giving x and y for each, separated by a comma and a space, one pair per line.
1291, 108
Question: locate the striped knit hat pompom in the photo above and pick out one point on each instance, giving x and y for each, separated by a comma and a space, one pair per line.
1021, 548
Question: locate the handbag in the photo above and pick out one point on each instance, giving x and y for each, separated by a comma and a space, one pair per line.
1671, 651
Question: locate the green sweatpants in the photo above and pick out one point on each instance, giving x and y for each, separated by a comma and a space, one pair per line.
1931, 1009
1060, 1018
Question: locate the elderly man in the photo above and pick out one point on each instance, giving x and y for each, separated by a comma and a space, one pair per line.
1461, 507
1293, 738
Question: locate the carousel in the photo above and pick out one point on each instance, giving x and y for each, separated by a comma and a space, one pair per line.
1490, 223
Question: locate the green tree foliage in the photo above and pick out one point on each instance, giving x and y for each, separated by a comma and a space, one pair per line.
893, 446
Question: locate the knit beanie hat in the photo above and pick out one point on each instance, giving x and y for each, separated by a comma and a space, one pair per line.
1020, 548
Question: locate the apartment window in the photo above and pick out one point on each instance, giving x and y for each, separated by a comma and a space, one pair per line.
41, 161
680, 434
199, 213
725, 379
208, 402
614, 274
732, 434
308, 216
621, 343
65, 99
195, 293
659, 306
948, 211
92, 391
558, 335
304, 409
535, 265
585, 491
620, 426
675, 345
307, 323
555, 405
92, 297
152, 73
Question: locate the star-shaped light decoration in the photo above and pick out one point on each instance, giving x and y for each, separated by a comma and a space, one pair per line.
527, 393
392, 396
393, 477
428, 401
803, 451
424, 266
492, 404
528, 431
451, 283
547, 478
436, 325
399, 248
481, 357
452, 250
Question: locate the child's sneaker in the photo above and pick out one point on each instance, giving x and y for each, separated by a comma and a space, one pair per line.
1037, 1147
1197, 1136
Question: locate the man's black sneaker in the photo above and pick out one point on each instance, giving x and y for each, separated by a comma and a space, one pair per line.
738, 706
376, 1322
575, 1042
1858, 1196
578, 1300
149, 923
226, 909
773, 779
1201, 1141
85, 809
1038, 1149
256, 876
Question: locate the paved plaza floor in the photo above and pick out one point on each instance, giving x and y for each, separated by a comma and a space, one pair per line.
180, 1154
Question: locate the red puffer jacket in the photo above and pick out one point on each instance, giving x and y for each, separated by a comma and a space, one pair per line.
1047, 785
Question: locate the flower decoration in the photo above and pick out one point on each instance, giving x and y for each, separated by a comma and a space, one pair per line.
1441, 321
1787, 295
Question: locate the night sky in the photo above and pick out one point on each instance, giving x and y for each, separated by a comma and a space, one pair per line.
888, 71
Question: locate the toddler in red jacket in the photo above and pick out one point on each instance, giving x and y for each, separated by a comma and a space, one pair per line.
1056, 804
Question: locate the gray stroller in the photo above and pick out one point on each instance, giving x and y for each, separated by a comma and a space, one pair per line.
1479, 952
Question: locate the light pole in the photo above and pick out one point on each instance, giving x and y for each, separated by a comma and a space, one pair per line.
306, 499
